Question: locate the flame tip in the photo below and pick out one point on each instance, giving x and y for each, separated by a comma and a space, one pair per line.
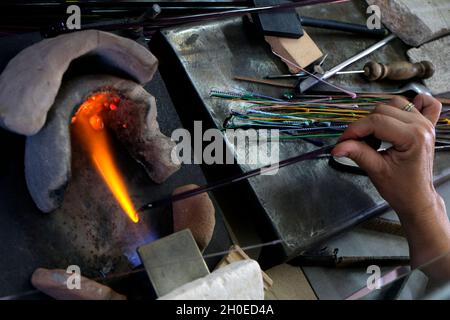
89, 127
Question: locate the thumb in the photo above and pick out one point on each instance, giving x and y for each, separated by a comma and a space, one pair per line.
365, 156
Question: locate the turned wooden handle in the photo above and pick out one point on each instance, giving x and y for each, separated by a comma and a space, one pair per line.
398, 70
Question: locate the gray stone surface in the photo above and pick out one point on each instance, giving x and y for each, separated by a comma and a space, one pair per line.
48, 153
415, 21
438, 52
31, 80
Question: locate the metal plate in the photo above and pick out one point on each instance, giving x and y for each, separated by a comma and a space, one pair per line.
309, 202
173, 261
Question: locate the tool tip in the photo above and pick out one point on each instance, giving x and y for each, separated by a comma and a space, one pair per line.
145, 207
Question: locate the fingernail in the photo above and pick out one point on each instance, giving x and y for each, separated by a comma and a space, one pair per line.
340, 155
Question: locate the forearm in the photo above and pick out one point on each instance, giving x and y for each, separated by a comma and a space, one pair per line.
428, 233
403, 174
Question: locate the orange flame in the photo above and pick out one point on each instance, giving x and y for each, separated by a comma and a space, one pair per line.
88, 125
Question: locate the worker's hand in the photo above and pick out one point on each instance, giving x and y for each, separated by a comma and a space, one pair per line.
403, 174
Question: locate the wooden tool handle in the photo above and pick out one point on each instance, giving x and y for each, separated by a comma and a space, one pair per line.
398, 70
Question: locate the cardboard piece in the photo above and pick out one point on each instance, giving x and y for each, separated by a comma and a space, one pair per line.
302, 51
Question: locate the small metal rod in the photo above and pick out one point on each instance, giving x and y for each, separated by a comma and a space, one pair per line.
364, 262
442, 148
240, 177
286, 76
359, 56
350, 72
333, 261
265, 82
241, 12
312, 81
303, 74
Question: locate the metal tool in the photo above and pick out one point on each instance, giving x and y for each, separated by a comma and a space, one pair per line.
333, 261
240, 177
171, 21
156, 24
342, 26
413, 86
350, 72
348, 165
303, 74
402, 70
94, 10
313, 80
410, 87
375, 71
285, 24
289, 24
442, 148
317, 69
318, 153
286, 76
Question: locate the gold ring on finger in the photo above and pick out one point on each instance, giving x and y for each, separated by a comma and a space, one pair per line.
409, 107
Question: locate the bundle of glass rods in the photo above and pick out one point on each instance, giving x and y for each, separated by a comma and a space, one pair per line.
317, 117
311, 117
443, 127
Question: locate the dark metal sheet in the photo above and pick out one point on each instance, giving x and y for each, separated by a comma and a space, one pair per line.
309, 202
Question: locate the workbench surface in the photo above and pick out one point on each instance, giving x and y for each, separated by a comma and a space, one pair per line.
309, 202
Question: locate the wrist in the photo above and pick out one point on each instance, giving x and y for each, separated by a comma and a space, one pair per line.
423, 209
427, 229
